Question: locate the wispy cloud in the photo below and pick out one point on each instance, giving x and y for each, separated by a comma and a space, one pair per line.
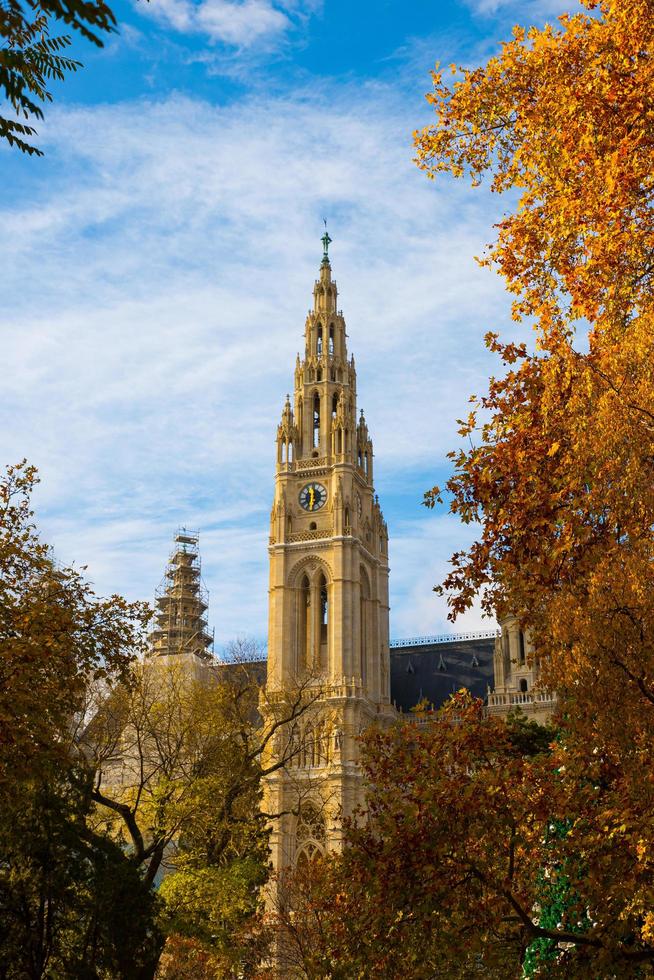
176, 245
241, 23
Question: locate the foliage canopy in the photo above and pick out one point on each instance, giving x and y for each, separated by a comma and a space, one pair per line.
559, 473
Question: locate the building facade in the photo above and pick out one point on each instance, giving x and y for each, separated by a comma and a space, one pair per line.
328, 595
515, 676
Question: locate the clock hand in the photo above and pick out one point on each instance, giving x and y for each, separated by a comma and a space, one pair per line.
312, 495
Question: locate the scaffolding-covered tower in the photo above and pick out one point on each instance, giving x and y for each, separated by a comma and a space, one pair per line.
182, 601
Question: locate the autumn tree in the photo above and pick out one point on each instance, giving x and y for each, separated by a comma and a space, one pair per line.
70, 901
56, 637
179, 754
436, 877
559, 473
469, 845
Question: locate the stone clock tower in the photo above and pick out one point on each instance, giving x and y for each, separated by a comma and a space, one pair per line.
328, 612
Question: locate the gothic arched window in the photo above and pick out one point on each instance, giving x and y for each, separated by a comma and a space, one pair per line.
364, 624
319, 347
522, 647
310, 832
331, 338
324, 610
304, 623
307, 855
316, 420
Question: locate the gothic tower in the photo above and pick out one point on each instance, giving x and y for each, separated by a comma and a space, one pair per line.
328, 606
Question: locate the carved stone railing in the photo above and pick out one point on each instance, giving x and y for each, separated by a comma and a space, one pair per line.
312, 462
310, 535
520, 699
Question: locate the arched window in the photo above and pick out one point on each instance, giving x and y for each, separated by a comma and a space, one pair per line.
306, 856
334, 406
304, 624
347, 518
307, 746
316, 420
319, 346
319, 375
522, 647
310, 828
290, 451
364, 624
324, 610
523, 685
331, 338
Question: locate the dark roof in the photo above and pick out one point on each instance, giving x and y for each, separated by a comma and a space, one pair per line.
424, 670
436, 670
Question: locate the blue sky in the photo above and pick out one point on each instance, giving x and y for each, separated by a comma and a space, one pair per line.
157, 265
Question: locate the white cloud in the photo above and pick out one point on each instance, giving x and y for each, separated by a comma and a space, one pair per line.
172, 248
242, 23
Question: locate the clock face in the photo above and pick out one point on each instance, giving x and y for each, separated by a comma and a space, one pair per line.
313, 496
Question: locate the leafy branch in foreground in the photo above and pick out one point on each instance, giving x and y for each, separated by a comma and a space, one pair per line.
31, 57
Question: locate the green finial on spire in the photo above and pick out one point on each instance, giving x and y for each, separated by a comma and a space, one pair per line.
326, 241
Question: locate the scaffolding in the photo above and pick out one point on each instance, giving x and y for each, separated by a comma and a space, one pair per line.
181, 602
